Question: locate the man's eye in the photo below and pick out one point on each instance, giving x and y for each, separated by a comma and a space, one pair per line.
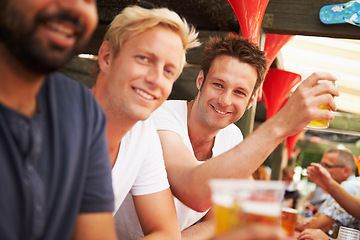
218, 85
169, 73
240, 92
142, 58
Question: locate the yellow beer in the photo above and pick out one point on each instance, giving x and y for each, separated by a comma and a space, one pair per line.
320, 123
288, 220
228, 218
238, 203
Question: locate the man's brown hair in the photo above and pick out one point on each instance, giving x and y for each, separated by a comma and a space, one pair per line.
238, 48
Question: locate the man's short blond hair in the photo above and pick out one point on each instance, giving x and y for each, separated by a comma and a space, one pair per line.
134, 20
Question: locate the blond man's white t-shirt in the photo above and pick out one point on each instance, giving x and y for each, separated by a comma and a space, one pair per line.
139, 170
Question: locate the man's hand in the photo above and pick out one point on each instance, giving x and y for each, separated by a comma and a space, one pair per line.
303, 106
303, 222
319, 175
313, 234
320, 221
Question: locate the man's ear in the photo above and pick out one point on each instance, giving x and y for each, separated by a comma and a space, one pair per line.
104, 57
199, 79
347, 170
252, 100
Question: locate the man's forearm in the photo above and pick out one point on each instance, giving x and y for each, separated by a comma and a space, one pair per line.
239, 162
348, 201
202, 230
161, 236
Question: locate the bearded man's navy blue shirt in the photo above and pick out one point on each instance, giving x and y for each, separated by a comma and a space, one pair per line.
53, 165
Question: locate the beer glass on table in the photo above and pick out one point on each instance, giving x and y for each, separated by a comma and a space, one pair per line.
288, 220
238, 203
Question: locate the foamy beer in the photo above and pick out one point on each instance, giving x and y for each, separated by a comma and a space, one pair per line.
288, 220
237, 203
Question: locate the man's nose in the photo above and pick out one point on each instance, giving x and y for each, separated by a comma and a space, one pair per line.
154, 74
225, 98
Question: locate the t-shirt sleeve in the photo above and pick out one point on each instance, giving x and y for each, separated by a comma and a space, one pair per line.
166, 117
227, 139
234, 134
152, 175
98, 193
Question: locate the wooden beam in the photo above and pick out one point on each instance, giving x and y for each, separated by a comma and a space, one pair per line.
294, 17
204, 14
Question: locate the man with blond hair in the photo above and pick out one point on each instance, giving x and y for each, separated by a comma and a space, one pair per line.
142, 55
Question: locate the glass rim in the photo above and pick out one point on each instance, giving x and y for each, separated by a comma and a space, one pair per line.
246, 184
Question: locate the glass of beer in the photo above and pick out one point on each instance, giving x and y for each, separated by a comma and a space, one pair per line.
288, 220
238, 203
319, 123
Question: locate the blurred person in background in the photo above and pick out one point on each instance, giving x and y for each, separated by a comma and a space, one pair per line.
291, 195
315, 199
341, 167
349, 200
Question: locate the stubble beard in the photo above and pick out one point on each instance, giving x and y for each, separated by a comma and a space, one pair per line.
19, 36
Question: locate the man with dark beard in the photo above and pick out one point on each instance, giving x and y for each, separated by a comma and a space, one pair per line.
54, 163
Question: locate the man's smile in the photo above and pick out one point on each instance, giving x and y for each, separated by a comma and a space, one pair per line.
219, 111
144, 94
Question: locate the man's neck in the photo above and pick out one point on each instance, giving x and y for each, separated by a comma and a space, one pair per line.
117, 125
18, 86
347, 177
202, 138
115, 131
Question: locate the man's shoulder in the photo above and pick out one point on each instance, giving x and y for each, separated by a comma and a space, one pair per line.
171, 115
232, 127
59, 79
352, 184
226, 139
231, 130
142, 135
173, 106
143, 127
63, 84
71, 103
66, 91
